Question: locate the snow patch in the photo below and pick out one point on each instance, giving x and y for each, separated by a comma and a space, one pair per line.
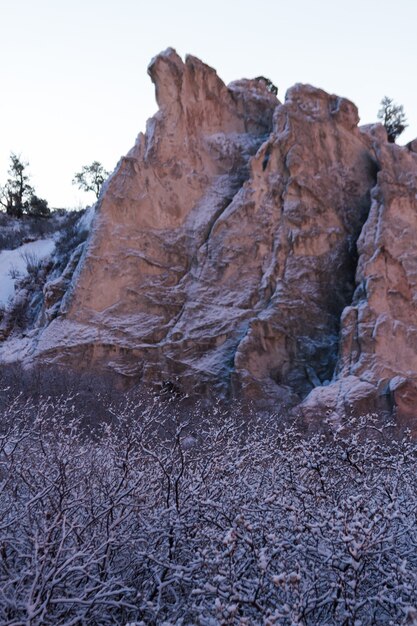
13, 264
16, 349
84, 223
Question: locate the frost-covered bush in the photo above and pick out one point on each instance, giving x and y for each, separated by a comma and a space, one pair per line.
15, 232
158, 519
32, 262
75, 233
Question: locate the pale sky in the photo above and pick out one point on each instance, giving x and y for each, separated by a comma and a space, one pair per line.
73, 73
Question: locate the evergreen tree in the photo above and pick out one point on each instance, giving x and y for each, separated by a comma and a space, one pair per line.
393, 118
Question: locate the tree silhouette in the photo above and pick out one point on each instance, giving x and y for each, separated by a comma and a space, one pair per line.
393, 118
17, 196
91, 177
269, 84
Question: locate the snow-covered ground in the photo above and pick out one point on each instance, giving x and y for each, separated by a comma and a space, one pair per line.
13, 264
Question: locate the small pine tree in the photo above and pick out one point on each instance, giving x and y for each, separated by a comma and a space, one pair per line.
393, 118
269, 84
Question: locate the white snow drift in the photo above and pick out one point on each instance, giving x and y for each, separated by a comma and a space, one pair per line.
13, 264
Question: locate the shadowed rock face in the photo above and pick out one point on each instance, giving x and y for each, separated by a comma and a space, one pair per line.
225, 246
377, 366
378, 341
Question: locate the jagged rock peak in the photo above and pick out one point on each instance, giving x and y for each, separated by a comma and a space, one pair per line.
183, 87
176, 80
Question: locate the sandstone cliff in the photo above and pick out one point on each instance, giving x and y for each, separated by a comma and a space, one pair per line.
249, 247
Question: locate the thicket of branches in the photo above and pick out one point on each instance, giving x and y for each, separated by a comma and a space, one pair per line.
159, 519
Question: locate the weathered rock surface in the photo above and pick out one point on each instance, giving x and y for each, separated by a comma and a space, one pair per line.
378, 339
154, 222
250, 247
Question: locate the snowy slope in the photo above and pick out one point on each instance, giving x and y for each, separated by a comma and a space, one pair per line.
13, 264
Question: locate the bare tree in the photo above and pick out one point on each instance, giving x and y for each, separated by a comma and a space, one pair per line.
91, 177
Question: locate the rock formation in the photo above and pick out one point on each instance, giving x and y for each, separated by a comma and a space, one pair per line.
378, 342
251, 248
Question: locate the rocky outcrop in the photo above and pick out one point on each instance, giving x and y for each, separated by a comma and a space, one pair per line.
249, 247
154, 221
378, 342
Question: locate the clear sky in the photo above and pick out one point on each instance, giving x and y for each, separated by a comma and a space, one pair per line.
74, 86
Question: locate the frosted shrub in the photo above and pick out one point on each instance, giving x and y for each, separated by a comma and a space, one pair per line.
158, 519
32, 262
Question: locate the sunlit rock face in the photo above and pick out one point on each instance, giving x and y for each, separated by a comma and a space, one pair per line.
250, 248
140, 279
